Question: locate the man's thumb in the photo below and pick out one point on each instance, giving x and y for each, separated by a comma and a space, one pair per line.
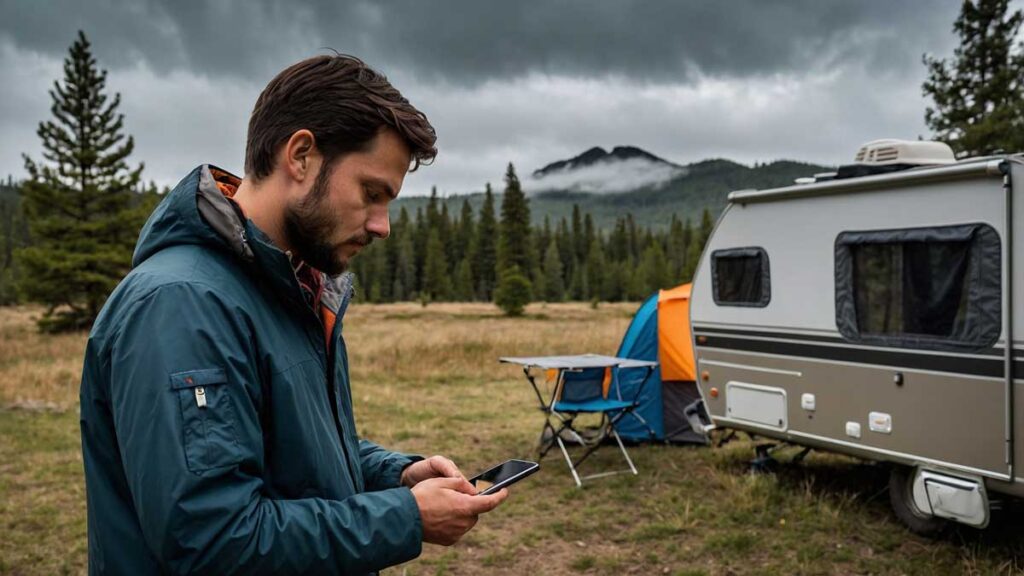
463, 485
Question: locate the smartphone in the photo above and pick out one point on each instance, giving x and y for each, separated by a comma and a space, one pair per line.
502, 475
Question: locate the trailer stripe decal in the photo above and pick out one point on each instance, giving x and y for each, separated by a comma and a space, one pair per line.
995, 351
987, 367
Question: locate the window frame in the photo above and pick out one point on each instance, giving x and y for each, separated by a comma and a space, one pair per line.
984, 285
766, 282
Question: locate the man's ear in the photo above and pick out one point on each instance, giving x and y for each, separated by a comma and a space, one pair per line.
300, 155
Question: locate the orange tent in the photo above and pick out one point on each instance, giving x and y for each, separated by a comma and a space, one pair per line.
660, 331
675, 349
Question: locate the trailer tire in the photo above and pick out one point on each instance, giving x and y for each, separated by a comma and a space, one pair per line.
901, 496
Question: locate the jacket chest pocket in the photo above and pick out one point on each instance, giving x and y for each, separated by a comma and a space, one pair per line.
208, 419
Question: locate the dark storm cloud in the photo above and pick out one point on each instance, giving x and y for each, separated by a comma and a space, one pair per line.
524, 81
657, 41
469, 41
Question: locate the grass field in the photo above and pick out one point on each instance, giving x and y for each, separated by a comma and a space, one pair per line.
427, 380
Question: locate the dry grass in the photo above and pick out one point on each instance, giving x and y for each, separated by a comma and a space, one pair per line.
441, 341
39, 371
427, 380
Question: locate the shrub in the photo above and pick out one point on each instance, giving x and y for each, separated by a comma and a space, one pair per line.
513, 292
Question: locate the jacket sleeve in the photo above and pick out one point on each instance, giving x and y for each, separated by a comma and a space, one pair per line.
382, 469
185, 398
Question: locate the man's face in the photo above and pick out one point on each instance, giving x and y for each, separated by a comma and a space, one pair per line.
347, 205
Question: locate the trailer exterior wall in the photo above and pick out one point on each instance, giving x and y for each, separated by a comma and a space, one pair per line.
950, 408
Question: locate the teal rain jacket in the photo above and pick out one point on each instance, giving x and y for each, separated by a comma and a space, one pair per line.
217, 427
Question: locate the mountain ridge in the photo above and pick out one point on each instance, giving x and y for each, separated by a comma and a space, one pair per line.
598, 154
698, 186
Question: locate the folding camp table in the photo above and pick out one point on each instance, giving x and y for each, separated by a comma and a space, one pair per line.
559, 409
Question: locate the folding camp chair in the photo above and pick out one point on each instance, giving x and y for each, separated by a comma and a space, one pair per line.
580, 389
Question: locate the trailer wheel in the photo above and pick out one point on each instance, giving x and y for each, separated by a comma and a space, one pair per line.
901, 496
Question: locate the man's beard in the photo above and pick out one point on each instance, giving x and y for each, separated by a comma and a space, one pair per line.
309, 228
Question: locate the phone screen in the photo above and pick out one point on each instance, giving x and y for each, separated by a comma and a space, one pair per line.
502, 475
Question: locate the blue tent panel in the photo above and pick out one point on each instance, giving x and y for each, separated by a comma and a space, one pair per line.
642, 335
641, 343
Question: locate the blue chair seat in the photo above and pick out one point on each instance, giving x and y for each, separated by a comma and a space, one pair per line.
595, 405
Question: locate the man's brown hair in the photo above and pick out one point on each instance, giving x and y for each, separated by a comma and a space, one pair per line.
343, 102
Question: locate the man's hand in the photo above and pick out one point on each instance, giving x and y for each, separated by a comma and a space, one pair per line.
449, 508
433, 467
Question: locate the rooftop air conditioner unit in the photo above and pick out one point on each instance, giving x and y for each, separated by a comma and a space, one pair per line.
906, 152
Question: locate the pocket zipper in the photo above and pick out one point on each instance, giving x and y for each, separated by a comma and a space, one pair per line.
200, 397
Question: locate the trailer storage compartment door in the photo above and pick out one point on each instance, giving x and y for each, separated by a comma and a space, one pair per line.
759, 404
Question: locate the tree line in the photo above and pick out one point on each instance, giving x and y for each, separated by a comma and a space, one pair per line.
436, 256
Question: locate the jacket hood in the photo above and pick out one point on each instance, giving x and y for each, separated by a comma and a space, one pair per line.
196, 212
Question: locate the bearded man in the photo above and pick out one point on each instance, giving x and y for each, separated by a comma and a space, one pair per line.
217, 427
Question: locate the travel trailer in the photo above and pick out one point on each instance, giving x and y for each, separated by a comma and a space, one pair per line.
868, 312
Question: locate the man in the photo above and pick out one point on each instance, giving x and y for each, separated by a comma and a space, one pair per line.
217, 426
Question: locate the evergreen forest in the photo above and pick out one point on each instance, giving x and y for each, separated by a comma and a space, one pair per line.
434, 255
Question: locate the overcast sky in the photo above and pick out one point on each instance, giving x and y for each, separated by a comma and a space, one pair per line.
526, 81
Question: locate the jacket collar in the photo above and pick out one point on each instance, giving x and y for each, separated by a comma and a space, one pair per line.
198, 211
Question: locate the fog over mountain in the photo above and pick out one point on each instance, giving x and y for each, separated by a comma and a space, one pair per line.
596, 171
628, 180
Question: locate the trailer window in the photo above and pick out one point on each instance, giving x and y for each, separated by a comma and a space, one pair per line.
740, 277
936, 288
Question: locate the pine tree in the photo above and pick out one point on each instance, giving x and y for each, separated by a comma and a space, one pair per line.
692, 259
433, 211
542, 237
538, 282
404, 284
565, 248
485, 261
579, 240
677, 248
594, 271
632, 243
615, 285
437, 283
707, 226
514, 245
697, 242
978, 96
463, 289
80, 208
419, 246
380, 289
373, 273
577, 282
636, 282
654, 269
391, 255
554, 284
684, 274
463, 237
446, 233
589, 233
617, 241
